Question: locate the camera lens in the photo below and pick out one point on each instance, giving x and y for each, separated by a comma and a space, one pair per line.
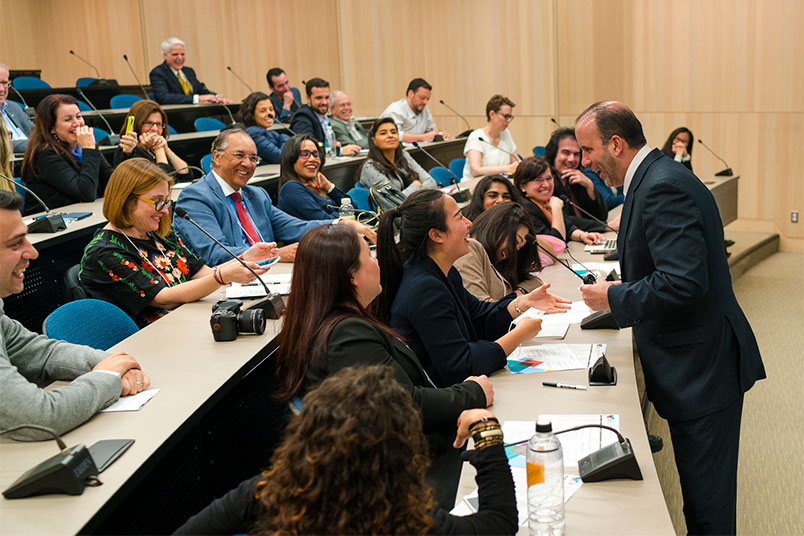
251, 321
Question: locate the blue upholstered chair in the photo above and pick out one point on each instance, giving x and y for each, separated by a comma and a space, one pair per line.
94, 323
172, 130
441, 175
99, 134
83, 106
203, 124
123, 101
29, 82
206, 163
84, 81
456, 166
360, 197
538, 150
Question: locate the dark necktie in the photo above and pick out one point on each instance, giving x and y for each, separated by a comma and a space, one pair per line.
245, 221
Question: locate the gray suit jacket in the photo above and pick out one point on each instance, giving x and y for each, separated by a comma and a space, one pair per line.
345, 136
21, 121
28, 360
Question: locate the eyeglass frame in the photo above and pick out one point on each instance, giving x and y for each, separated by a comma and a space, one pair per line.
253, 158
158, 205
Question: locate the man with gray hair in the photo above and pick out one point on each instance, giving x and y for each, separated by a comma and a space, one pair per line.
174, 83
349, 133
15, 118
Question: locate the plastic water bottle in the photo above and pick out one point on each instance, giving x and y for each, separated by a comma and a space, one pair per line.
545, 470
346, 212
330, 142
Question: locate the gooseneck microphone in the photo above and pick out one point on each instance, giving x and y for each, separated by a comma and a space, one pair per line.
130, 68
228, 111
726, 172
453, 110
17, 92
461, 196
566, 199
484, 140
588, 279
114, 139
286, 126
188, 168
181, 213
97, 73
48, 223
556, 123
229, 68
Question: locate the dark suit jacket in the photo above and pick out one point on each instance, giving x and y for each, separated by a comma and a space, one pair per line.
21, 120
697, 349
305, 121
355, 341
451, 331
542, 224
167, 89
577, 194
278, 103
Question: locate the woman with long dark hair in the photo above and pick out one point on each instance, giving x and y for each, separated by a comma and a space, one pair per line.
62, 164
354, 462
500, 260
388, 162
257, 115
453, 333
490, 191
149, 138
679, 146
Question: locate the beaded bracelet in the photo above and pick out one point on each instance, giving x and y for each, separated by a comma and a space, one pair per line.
217, 276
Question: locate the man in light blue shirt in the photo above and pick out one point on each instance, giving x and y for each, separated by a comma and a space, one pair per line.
15, 118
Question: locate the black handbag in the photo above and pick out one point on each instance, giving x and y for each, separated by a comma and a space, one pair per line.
384, 197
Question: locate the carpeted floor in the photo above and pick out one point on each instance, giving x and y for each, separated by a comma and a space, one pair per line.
771, 474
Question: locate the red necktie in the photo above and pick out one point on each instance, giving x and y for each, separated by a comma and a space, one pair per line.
245, 221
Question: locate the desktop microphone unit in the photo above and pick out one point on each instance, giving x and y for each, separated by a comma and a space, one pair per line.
588, 279
47, 223
130, 68
229, 68
726, 172
451, 109
460, 196
228, 111
114, 139
98, 80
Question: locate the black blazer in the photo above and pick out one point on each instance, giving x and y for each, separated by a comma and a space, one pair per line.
305, 121
697, 349
121, 156
355, 341
167, 89
542, 224
58, 182
577, 194
451, 331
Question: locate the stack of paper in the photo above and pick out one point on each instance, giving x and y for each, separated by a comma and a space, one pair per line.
548, 357
277, 283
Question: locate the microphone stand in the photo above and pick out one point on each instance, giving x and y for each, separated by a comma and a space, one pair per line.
114, 139
460, 196
588, 279
451, 109
47, 223
726, 172
130, 68
229, 68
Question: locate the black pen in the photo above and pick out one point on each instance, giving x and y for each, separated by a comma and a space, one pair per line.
564, 385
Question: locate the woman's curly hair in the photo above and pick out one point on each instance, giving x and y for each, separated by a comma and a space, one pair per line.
353, 462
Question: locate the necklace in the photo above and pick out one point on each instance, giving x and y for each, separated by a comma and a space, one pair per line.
144, 256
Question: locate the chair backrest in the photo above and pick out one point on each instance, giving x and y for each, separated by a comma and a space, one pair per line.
29, 82
538, 150
360, 197
84, 81
123, 100
456, 166
206, 163
441, 175
203, 124
72, 286
94, 323
172, 130
99, 134
83, 106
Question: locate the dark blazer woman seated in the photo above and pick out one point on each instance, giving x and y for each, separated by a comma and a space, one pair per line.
304, 191
62, 164
257, 115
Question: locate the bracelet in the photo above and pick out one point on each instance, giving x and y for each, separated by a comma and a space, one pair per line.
217, 276
516, 306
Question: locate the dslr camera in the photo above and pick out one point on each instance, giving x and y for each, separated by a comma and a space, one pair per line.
227, 320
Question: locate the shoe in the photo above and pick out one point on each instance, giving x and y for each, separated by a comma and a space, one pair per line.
655, 442
728, 243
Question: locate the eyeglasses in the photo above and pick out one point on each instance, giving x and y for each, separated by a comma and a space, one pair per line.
4, 83
156, 124
158, 205
305, 154
540, 180
253, 158
507, 117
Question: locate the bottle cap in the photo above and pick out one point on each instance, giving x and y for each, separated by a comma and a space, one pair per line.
544, 426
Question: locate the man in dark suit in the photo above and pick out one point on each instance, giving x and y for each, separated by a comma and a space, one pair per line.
312, 118
174, 83
697, 349
285, 99
15, 118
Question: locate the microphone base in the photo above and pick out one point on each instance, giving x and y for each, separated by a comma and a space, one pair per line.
461, 196
112, 139
50, 223
103, 82
725, 173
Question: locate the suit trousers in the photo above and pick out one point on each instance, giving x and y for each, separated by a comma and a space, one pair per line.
706, 458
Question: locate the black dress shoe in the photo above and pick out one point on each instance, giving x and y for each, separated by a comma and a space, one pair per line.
655, 442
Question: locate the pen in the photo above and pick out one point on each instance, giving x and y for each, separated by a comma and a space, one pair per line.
564, 385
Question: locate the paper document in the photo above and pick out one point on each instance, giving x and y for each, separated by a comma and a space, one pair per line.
547, 357
133, 402
277, 283
599, 269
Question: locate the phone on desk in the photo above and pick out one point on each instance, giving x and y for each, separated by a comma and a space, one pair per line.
265, 263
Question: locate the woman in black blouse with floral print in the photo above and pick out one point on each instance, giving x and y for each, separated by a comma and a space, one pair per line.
138, 262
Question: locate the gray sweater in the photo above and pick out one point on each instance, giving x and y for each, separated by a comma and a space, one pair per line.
371, 177
28, 360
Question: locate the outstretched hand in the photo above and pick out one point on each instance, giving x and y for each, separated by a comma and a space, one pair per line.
544, 301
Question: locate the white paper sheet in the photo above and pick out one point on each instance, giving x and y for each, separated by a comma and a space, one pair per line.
133, 402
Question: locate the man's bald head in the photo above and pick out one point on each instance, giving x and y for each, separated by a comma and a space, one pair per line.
614, 118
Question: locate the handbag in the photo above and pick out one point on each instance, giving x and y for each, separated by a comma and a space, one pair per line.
384, 197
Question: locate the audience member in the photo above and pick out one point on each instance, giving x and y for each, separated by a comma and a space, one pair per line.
500, 260
137, 262
412, 117
305, 192
148, 139
563, 154
454, 334
6, 152
257, 115
312, 118
349, 132
285, 99
388, 162
612, 196
374, 481
679, 146
28, 360
535, 180
62, 165
491, 149
236, 214
14, 117
174, 83
490, 191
